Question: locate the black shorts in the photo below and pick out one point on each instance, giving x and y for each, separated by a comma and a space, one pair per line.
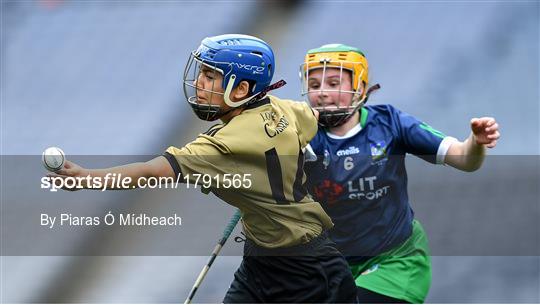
310, 273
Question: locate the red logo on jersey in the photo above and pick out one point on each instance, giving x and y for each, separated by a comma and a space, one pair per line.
328, 191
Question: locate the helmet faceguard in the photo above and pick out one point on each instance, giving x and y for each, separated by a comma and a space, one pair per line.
345, 59
236, 58
203, 109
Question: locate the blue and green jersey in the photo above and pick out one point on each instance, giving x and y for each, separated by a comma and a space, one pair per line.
361, 181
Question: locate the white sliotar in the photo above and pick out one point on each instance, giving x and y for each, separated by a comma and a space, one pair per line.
53, 159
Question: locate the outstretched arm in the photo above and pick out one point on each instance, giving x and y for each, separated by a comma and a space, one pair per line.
469, 155
157, 167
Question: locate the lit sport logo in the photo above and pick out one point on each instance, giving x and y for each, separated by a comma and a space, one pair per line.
365, 188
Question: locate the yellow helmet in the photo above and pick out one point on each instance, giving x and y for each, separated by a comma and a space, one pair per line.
339, 56
342, 57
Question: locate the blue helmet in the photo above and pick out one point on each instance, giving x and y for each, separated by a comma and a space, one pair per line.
238, 58
246, 57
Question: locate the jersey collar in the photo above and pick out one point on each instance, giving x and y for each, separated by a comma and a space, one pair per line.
355, 130
258, 103
363, 117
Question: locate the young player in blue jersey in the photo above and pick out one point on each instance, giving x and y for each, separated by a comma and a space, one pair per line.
360, 179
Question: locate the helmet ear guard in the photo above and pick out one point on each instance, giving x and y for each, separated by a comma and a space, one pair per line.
228, 90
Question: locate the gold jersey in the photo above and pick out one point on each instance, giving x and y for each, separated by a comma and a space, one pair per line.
262, 149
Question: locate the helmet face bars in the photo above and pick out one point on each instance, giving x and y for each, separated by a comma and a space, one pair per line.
235, 58
341, 57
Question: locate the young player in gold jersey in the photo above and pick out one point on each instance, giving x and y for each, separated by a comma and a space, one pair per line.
288, 257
